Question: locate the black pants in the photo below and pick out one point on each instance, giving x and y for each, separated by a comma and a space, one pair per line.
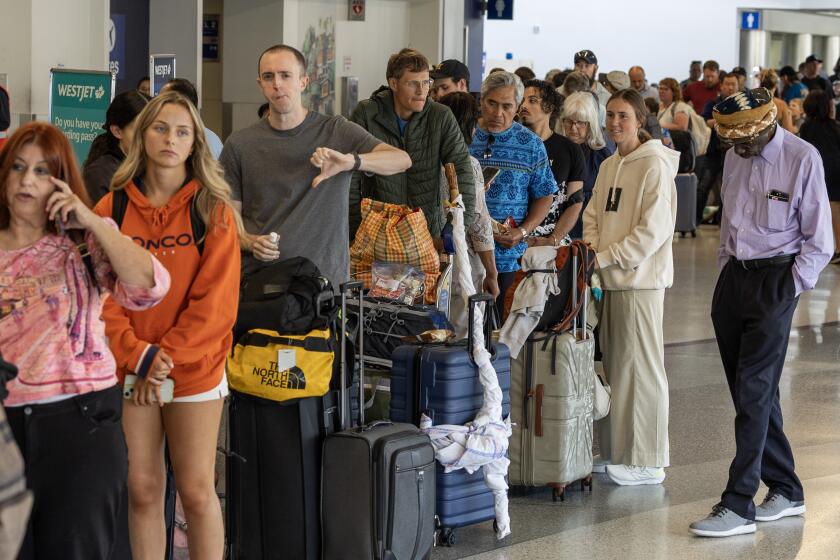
752, 312
707, 175
76, 466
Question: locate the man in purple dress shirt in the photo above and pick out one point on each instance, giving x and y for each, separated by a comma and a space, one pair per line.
775, 238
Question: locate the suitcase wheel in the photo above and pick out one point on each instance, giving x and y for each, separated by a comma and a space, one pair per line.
558, 490
445, 537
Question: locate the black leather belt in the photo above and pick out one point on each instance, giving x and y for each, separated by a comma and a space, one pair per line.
755, 264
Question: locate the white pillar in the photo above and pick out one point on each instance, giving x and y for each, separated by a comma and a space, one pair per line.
804, 45
832, 53
753, 50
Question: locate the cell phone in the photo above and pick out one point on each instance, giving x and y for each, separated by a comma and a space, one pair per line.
167, 388
490, 174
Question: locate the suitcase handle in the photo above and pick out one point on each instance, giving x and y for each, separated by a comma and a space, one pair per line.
583, 312
473, 301
538, 424
344, 405
374, 425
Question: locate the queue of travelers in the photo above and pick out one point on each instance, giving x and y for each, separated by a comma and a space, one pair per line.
538, 163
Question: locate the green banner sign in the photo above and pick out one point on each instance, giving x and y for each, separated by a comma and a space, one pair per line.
78, 102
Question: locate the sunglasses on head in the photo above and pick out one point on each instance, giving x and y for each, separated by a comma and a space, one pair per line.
488, 150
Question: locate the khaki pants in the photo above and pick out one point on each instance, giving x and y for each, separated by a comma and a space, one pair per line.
636, 430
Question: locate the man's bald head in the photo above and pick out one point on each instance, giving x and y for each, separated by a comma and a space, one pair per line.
637, 78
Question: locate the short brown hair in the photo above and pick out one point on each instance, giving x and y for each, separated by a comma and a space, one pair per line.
58, 153
711, 65
406, 59
674, 86
279, 48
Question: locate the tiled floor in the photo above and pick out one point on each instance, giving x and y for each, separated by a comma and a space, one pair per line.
651, 522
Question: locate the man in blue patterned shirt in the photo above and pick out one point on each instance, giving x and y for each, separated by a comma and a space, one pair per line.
522, 192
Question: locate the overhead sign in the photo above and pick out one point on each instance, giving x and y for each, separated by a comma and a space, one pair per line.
161, 69
116, 44
356, 10
210, 37
79, 100
500, 9
750, 21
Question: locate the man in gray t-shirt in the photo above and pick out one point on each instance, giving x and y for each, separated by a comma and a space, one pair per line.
290, 173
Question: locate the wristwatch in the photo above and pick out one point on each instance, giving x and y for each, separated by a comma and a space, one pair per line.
357, 162
524, 232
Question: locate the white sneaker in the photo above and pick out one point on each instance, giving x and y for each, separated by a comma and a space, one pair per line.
599, 465
631, 475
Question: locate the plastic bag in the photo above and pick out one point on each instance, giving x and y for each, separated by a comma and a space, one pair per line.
397, 282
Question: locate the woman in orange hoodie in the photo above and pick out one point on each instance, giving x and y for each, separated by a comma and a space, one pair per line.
167, 181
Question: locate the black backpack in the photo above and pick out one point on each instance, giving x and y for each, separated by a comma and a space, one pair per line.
119, 204
290, 297
684, 144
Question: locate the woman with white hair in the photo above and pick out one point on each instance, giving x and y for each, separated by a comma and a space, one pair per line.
580, 124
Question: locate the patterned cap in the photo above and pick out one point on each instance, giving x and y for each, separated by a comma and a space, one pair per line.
744, 114
586, 55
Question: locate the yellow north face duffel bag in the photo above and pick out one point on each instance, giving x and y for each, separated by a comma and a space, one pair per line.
283, 367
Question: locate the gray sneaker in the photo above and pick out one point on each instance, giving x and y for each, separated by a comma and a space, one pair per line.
776, 506
722, 522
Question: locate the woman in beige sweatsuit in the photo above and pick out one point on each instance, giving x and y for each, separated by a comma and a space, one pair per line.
630, 224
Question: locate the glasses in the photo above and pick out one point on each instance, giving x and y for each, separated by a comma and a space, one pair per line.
580, 125
419, 84
488, 151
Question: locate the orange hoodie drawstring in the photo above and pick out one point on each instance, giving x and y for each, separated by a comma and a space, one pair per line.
160, 216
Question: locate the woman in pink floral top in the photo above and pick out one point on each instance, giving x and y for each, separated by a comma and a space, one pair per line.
64, 406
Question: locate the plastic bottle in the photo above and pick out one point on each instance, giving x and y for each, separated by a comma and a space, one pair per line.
666, 138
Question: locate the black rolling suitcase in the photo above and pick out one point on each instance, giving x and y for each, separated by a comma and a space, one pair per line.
378, 493
273, 476
273, 471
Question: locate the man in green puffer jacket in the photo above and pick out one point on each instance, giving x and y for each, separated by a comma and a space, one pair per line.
403, 116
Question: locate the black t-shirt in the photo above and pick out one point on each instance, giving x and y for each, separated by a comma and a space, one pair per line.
825, 137
567, 165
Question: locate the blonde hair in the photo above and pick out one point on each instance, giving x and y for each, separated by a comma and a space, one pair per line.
768, 79
213, 192
583, 106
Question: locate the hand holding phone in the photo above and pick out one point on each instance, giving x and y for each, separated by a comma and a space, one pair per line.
144, 393
490, 174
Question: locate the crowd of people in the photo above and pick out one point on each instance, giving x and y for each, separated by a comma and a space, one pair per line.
165, 220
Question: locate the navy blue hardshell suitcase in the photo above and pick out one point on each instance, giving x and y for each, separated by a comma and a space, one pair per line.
441, 381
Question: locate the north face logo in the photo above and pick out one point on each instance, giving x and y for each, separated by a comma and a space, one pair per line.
292, 378
613, 199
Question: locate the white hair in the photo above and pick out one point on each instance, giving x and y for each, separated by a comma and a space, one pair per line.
502, 79
582, 106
